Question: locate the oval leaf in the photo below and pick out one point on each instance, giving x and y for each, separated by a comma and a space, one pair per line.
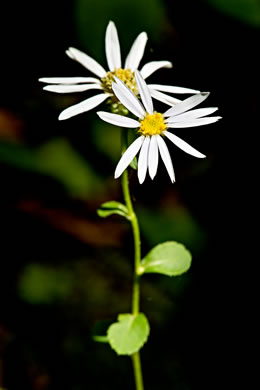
129, 334
112, 207
169, 258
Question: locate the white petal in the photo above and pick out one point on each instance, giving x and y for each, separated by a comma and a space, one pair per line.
162, 97
165, 155
71, 88
70, 55
144, 92
172, 89
143, 160
127, 98
183, 145
194, 122
118, 120
187, 104
84, 106
153, 66
128, 156
68, 80
88, 62
153, 157
112, 47
136, 52
193, 114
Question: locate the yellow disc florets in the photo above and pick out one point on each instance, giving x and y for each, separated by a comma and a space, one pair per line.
126, 75
152, 124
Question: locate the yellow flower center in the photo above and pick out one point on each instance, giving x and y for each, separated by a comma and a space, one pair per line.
126, 75
152, 124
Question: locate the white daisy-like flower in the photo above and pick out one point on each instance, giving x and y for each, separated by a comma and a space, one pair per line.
104, 79
153, 127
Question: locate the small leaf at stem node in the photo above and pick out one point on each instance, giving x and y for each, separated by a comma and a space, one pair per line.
169, 258
112, 207
129, 334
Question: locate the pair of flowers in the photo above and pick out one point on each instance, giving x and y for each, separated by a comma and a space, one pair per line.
123, 87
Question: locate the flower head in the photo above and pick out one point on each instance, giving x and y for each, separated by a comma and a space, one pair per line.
103, 79
153, 127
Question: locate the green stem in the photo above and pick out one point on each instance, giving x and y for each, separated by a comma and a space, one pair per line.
137, 242
137, 371
136, 285
136, 280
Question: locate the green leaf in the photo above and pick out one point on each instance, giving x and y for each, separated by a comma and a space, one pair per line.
129, 334
112, 207
134, 163
169, 258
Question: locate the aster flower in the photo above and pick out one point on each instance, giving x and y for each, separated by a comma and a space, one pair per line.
104, 79
153, 127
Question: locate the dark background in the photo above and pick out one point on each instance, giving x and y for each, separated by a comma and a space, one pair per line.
62, 269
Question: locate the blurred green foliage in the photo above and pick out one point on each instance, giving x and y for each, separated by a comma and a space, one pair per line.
40, 284
92, 19
247, 11
168, 224
55, 282
107, 139
58, 159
